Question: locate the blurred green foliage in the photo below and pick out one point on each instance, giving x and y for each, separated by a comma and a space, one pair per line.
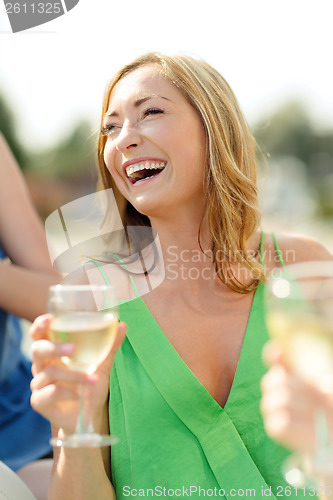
290, 132
67, 170
58, 174
68, 158
7, 127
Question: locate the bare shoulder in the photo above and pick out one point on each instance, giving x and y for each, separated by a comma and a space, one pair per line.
300, 248
76, 277
99, 272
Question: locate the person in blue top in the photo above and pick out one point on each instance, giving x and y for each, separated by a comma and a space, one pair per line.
25, 275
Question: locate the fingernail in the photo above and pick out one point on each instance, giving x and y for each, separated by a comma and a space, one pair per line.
42, 320
67, 349
92, 378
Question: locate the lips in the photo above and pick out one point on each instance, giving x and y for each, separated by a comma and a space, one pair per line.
143, 169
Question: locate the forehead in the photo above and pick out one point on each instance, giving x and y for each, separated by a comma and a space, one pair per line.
141, 82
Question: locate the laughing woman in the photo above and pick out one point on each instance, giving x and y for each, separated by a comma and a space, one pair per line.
185, 383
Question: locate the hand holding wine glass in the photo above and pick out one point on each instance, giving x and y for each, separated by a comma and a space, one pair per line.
288, 403
85, 334
299, 316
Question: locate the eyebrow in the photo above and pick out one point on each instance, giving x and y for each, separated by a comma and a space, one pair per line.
138, 103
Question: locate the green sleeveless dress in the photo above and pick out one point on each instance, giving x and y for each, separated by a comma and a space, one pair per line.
174, 438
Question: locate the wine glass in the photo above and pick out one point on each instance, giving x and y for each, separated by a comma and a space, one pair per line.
299, 315
86, 316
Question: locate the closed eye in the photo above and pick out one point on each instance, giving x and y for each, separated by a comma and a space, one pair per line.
153, 111
112, 129
109, 129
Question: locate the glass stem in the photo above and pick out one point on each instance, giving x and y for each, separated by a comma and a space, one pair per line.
84, 424
323, 448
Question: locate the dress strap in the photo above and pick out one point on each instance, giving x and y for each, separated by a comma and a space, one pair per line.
262, 239
106, 279
278, 251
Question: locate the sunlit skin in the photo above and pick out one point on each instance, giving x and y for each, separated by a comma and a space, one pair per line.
151, 120
289, 403
148, 119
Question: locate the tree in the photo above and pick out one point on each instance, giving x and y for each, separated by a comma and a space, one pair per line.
290, 133
7, 127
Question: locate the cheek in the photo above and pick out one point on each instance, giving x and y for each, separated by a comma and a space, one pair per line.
110, 158
191, 146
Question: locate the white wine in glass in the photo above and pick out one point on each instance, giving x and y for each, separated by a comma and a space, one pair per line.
299, 315
86, 316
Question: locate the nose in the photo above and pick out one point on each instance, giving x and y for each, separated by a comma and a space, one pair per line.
128, 138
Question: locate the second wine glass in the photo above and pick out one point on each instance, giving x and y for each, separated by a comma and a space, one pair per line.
299, 315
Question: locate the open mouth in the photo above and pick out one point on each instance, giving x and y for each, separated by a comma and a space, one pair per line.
144, 170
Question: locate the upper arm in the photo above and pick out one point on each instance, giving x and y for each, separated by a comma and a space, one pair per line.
293, 248
108, 273
296, 248
22, 234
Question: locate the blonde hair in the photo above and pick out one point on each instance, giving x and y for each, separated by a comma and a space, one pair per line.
231, 168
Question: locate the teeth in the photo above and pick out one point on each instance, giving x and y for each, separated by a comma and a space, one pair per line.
144, 166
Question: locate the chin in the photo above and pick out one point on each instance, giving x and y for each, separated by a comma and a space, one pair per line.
149, 207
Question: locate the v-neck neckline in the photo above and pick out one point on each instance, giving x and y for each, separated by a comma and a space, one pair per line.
148, 350
168, 352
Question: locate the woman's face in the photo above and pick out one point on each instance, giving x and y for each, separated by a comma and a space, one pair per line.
156, 147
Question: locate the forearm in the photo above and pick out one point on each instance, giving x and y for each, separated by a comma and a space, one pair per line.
79, 474
83, 473
24, 292
22, 234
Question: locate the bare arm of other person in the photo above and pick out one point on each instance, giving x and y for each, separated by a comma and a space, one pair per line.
84, 473
295, 248
24, 280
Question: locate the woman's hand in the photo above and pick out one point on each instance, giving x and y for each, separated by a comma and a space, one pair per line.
289, 404
55, 386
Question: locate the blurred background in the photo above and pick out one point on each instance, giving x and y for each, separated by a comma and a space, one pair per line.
276, 57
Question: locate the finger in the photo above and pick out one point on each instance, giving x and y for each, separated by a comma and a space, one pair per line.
54, 374
44, 352
52, 394
120, 336
276, 377
292, 430
279, 391
272, 353
56, 403
282, 391
40, 327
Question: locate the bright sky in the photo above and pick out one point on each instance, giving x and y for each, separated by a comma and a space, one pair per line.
268, 50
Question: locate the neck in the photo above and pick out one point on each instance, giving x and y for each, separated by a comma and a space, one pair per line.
182, 232
187, 259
